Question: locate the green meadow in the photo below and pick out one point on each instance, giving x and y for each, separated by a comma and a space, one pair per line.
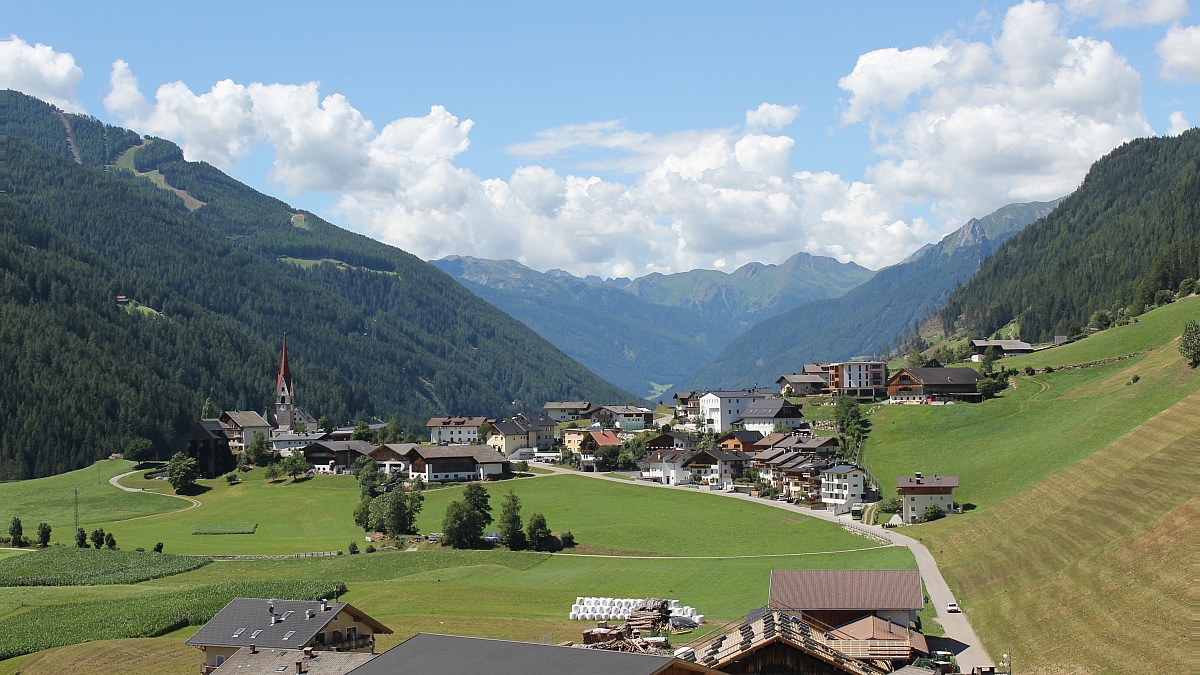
1084, 487
494, 593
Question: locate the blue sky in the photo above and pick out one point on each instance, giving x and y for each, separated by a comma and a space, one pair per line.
626, 138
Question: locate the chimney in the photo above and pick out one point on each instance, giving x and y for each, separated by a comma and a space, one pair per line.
253, 648
273, 619
310, 613
308, 652
324, 605
917, 474
299, 666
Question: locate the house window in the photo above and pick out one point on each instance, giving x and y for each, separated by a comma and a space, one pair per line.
289, 634
255, 633
219, 661
238, 632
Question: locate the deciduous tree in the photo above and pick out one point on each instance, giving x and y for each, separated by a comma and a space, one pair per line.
1189, 343
512, 534
181, 472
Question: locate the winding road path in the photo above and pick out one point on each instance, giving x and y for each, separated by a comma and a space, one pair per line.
970, 652
115, 481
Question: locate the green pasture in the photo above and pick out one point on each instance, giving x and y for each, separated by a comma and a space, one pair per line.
52, 500
644, 520
1001, 447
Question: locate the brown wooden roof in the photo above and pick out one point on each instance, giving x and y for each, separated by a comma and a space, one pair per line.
846, 589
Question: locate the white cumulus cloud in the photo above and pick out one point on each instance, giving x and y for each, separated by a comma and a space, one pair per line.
1179, 123
974, 125
1180, 53
39, 70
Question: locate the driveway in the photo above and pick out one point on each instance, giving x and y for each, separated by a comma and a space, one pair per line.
969, 652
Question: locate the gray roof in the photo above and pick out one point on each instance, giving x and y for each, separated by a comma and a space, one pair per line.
484, 454
1006, 345
771, 408
846, 589
929, 376
927, 481
361, 447
842, 468
246, 418
726, 393
567, 405
801, 378
269, 661
627, 409
434, 654
249, 615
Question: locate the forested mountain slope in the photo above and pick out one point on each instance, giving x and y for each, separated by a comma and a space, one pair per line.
1131, 229
857, 323
649, 333
377, 334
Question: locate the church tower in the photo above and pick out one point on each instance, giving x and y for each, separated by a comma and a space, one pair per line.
284, 391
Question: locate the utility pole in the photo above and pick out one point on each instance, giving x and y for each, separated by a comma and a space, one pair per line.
76, 509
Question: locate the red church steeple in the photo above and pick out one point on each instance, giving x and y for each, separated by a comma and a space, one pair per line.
283, 383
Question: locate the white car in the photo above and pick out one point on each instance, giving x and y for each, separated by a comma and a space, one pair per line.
952, 607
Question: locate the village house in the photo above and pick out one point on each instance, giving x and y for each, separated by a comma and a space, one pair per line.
391, 458
768, 415
925, 385
241, 425
687, 404
793, 463
434, 654
521, 437
824, 621
623, 417
284, 624
918, 493
335, 456
843, 486
586, 442
305, 661
668, 466
864, 380
207, 443
464, 430
1002, 348
717, 468
671, 440
739, 441
444, 463
719, 409
287, 441
566, 411
347, 433
801, 384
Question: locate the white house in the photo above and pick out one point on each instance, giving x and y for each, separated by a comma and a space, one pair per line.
667, 467
717, 468
770, 414
842, 486
566, 411
719, 409
918, 493
463, 430
443, 463
241, 425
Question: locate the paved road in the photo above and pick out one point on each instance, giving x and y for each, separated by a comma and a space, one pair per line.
969, 654
115, 481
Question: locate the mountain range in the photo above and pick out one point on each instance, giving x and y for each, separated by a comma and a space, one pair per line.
706, 328
651, 332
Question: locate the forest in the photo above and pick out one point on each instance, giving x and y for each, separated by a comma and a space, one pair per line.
384, 336
1131, 230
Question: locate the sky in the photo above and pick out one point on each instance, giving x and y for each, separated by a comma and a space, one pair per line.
624, 138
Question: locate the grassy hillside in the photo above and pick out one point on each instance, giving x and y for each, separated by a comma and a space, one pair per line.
1085, 487
1049, 421
52, 500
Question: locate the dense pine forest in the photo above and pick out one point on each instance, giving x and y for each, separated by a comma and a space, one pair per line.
1125, 240
373, 332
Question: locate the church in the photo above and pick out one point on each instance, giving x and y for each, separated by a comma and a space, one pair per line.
285, 415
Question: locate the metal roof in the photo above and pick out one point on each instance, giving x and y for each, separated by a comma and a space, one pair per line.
846, 589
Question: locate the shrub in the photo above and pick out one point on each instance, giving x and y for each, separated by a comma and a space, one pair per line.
16, 534
353, 548
81, 538
231, 478
1030, 371
890, 506
932, 512
370, 548
97, 538
567, 539
43, 535
110, 542
158, 548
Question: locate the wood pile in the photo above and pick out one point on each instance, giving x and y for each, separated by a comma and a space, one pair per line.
652, 615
